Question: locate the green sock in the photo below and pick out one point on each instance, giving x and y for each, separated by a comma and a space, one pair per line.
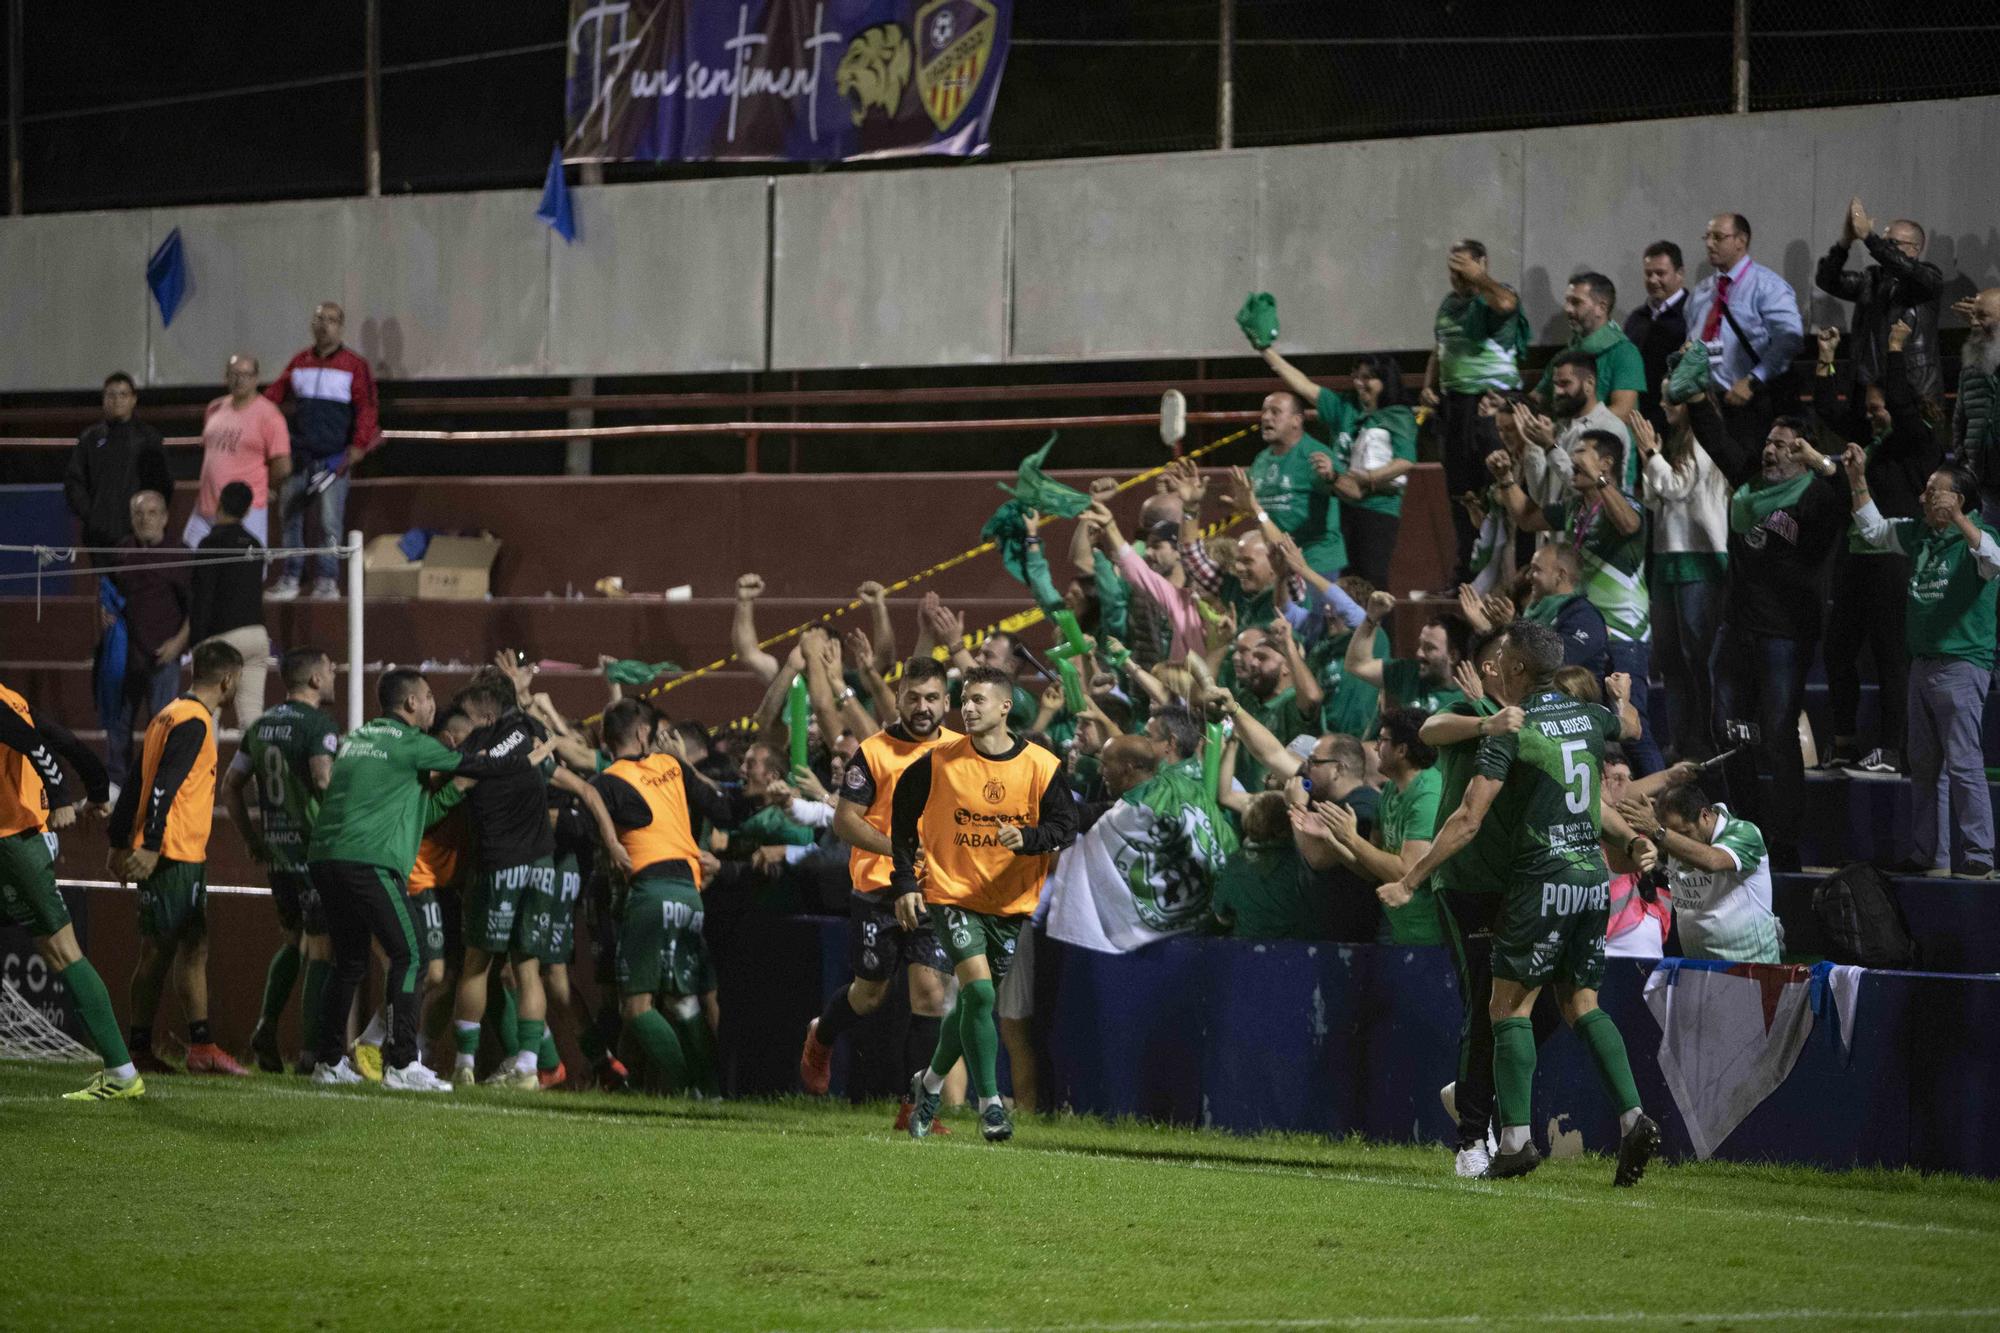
1607, 1048
278, 979
949, 1048
528, 1034
93, 1005
502, 1017
465, 1037
699, 1043
662, 1047
1514, 1070
547, 1057
310, 995
979, 1037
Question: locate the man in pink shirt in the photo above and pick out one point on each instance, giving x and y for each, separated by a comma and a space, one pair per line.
1168, 589
244, 438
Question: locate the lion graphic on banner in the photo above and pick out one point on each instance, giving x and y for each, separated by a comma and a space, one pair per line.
875, 70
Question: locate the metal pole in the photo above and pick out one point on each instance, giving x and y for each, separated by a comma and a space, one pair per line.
357, 661
1740, 58
371, 121
14, 41
1225, 78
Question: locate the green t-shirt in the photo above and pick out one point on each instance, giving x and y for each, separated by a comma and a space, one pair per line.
1619, 365
376, 808
1408, 813
1481, 865
1368, 441
277, 753
1951, 607
1300, 503
1404, 687
1349, 705
770, 827
1283, 718
1552, 775
1613, 564
1477, 347
1264, 891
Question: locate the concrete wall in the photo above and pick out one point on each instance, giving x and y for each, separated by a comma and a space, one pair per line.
1090, 259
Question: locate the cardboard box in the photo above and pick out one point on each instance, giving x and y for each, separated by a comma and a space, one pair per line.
457, 569
385, 572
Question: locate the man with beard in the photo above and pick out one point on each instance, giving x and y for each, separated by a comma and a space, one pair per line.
1621, 372
1424, 682
877, 942
1263, 656
1975, 422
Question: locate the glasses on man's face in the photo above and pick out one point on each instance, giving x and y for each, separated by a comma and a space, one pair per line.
1718, 235
1317, 762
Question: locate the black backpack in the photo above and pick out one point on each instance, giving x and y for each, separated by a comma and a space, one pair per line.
1856, 906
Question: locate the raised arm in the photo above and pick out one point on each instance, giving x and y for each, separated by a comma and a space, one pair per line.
1361, 662
1291, 376
882, 635
743, 629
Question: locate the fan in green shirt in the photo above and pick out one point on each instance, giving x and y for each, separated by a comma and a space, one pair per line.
1478, 348
1262, 659
1423, 682
1374, 438
1295, 477
1403, 827
1265, 891
1954, 564
1606, 526
1621, 372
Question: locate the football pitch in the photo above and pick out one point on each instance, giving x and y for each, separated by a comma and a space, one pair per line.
266, 1203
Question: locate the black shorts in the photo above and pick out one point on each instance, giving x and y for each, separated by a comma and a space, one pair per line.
297, 901
877, 944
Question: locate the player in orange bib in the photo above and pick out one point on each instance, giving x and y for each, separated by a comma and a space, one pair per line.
877, 943
159, 838
987, 812
35, 800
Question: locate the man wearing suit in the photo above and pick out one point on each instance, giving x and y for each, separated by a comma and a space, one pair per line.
1659, 327
1748, 318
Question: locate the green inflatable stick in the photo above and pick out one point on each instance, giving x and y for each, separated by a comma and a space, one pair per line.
798, 712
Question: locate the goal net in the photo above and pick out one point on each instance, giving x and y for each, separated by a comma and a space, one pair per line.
26, 1035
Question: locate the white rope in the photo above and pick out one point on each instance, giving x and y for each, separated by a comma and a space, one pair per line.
239, 890
194, 561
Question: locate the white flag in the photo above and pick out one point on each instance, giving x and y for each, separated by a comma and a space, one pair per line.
1729, 1036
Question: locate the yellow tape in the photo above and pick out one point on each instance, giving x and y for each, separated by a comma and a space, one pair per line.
1024, 619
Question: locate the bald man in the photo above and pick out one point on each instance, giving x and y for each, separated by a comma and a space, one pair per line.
243, 438
330, 392
1898, 287
1975, 422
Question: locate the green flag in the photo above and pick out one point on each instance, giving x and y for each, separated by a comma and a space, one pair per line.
629, 672
1032, 490
1258, 318
1687, 373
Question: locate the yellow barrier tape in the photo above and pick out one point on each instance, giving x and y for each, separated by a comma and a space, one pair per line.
1034, 614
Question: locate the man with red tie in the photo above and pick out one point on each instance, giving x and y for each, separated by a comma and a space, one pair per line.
1747, 316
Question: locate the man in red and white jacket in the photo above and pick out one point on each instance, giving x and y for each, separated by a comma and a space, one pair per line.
331, 396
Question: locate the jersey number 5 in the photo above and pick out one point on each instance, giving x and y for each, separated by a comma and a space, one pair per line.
1576, 777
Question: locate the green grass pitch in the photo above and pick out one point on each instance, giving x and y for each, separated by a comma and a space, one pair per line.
265, 1203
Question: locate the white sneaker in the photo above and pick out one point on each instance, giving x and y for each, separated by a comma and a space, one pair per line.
462, 1076
284, 590
325, 588
413, 1077
341, 1073
1471, 1163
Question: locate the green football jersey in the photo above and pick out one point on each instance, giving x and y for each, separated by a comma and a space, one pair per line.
278, 751
1552, 771
1613, 565
1481, 865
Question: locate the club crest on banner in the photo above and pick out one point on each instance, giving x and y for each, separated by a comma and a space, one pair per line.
954, 42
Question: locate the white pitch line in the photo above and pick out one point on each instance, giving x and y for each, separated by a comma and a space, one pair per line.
1538, 1320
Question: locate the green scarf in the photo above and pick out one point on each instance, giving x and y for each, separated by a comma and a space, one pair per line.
1757, 500
1545, 611
1595, 343
1032, 490
1258, 319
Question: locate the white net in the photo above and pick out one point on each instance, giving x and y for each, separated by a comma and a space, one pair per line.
26, 1035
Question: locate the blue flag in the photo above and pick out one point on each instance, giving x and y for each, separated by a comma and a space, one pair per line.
166, 274
555, 208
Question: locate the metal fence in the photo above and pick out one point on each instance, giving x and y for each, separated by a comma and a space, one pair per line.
182, 105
